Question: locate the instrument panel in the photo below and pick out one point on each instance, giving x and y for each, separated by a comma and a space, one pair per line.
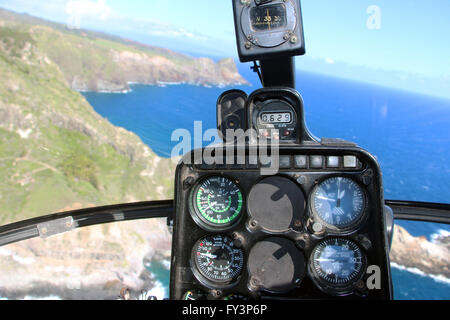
308, 232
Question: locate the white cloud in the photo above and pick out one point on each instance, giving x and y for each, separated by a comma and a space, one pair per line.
159, 29
100, 15
164, 30
88, 8
329, 61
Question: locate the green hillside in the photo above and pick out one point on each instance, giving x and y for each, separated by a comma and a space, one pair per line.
56, 152
92, 61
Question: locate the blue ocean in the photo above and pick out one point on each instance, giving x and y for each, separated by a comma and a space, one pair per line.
407, 132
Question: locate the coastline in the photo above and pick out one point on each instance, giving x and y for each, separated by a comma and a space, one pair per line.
162, 84
438, 278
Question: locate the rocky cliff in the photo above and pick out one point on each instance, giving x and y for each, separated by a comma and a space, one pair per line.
89, 264
417, 252
56, 152
91, 61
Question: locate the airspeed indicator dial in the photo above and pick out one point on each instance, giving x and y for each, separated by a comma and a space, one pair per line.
216, 203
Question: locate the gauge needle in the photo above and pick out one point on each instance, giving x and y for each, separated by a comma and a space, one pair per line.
338, 202
335, 260
325, 260
341, 195
211, 205
268, 18
325, 198
208, 255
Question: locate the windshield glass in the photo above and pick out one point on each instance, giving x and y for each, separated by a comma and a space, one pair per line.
91, 263
95, 95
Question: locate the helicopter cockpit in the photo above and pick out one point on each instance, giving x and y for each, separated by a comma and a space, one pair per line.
271, 212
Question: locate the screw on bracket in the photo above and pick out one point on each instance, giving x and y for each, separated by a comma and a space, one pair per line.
188, 182
253, 224
317, 227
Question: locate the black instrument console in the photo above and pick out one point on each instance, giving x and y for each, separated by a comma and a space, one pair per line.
297, 219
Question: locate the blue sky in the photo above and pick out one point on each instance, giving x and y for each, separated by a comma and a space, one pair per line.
409, 49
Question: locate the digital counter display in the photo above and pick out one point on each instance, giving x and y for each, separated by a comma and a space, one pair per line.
275, 118
267, 18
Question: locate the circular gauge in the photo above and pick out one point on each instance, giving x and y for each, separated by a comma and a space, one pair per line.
217, 259
216, 203
336, 265
267, 25
339, 203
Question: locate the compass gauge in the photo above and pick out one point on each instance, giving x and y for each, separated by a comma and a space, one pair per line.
267, 18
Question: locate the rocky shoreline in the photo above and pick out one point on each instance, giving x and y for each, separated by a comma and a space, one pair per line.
93, 61
93, 263
96, 263
139, 68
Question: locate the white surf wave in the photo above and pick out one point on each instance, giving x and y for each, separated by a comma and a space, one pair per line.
438, 278
158, 291
440, 234
166, 264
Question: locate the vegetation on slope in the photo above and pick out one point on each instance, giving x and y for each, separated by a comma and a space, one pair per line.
56, 152
92, 61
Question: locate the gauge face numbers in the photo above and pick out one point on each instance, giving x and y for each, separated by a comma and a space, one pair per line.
217, 259
218, 202
268, 18
337, 263
338, 202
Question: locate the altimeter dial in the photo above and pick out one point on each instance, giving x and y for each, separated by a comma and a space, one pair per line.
217, 259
